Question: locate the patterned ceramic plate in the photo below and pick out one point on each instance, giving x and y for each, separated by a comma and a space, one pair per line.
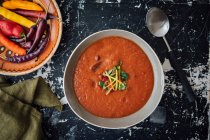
13, 69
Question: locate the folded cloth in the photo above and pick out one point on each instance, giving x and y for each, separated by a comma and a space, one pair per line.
19, 120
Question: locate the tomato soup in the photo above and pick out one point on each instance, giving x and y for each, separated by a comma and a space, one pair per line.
102, 55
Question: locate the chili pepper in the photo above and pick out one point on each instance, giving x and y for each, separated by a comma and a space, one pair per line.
105, 78
26, 5
28, 37
42, 25
35, 14
11, 45
15, 17
18, 40
11, 29
99, 88
24, 58
31, 33
26, 45
40, 31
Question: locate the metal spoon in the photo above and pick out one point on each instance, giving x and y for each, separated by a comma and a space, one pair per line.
158, 24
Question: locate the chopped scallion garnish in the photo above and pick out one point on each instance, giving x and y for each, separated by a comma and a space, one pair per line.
114, 79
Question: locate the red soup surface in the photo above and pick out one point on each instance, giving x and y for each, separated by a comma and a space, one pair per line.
104, 54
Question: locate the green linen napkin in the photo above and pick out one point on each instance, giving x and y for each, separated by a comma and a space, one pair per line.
19, 120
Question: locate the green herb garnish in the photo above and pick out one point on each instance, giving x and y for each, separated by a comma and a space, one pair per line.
124, 75
101, 84
114, 79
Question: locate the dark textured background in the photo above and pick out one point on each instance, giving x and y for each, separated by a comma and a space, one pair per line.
188, 37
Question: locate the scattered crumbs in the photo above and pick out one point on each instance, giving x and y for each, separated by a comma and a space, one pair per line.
91, 128
137, 128
146, 7
81, 1
174, 94
180, 50
73, 129
190, 17
81, 6
60, 81
189, 3
107, 1
54, 120
67, 20
121, 138
138, 6
63, 100
45, 71
200, 121
174, 113
118, 1
173, 86
129, 132
63, 120
100, 1
167, 66
198, 78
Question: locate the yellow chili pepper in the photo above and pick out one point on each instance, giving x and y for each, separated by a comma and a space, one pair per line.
116, 77
15, 17
26, 5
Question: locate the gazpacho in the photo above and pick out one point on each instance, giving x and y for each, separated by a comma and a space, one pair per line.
113, 78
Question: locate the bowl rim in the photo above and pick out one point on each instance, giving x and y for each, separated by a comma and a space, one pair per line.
161, 80
19, 73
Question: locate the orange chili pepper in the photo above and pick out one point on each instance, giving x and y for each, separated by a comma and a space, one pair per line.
11, 45
26, 5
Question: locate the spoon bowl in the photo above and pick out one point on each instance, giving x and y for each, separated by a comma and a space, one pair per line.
157, 22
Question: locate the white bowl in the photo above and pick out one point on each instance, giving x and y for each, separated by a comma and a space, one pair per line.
114, 123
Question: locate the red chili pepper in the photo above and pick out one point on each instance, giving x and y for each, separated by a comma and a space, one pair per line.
104, 78
11, 29
29, 36
99, 88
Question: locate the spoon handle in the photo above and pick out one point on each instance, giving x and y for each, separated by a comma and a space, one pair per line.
169, 48
182, 76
